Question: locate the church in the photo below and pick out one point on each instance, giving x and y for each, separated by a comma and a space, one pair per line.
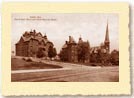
81, 51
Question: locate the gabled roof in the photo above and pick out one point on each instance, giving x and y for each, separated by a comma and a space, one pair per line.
27, 37
64, 46
94, 49
38, 34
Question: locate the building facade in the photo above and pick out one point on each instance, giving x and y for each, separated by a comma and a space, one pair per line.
69, 52
30, 43
100, 54
82, 52
75, 52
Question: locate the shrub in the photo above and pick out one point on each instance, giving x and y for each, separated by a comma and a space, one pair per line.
23, 59
40, 53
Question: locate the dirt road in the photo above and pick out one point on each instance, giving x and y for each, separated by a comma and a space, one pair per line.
78, 74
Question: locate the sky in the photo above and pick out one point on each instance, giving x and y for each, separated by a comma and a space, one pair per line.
58, 27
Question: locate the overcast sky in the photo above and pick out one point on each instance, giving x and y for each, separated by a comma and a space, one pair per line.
58, 27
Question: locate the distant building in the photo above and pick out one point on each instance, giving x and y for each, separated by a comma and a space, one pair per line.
100, 53
105, 46
31, 42
69, 51
75, 52
82, 52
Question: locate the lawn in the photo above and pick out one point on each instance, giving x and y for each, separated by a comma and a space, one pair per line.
20, 64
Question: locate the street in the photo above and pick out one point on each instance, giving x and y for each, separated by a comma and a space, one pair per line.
68, 73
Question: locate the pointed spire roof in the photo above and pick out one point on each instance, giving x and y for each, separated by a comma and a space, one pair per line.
107, 34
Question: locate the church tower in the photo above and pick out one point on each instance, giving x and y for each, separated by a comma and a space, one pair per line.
107, 41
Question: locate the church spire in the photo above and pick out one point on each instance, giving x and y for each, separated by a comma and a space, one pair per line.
107, 34
107, 41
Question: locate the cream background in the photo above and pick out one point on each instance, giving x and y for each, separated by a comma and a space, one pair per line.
84, 88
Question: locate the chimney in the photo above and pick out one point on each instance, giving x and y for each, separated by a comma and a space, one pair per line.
34, 31
45, 36
66, 42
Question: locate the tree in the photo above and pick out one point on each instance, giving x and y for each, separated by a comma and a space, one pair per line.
83, 53
52, 52
63, 55
114, 57
40, 53
55, 52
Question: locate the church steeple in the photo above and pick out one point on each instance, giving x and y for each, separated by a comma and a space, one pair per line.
107, 34
107, 41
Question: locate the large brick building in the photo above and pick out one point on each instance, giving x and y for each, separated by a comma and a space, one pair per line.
82, 52
31, 42
69, 51
73, 52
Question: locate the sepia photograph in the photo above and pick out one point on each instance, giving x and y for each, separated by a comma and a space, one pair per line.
64, 47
